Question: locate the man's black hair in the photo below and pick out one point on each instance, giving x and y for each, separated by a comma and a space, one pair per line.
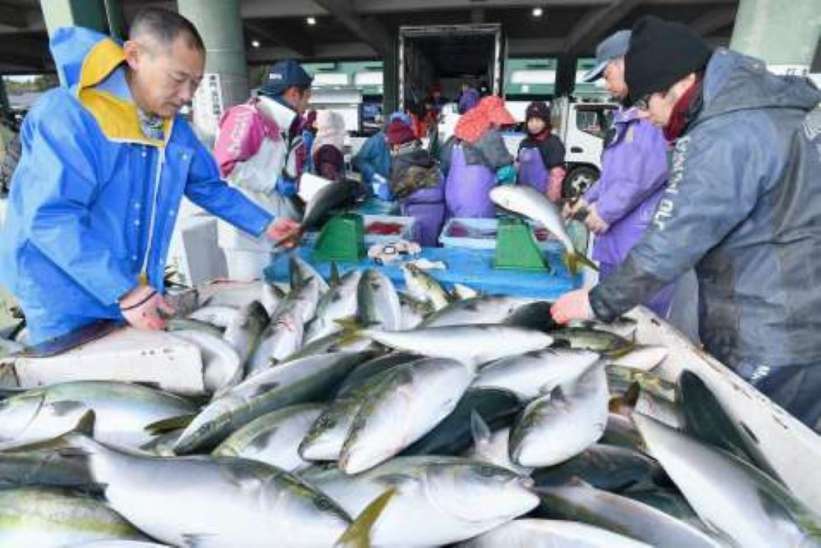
166, 26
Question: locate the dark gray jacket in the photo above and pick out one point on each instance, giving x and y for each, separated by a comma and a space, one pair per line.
743, 205
489, 150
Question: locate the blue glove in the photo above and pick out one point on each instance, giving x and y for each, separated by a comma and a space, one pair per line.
383, 191
506, 175
286, 186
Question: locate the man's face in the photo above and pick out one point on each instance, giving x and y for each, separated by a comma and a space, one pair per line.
297, 98
614, 78
658, 107
164, 78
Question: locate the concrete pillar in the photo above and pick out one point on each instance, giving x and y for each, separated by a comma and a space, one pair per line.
565, 75
226, 72
390, 79
4, 98
784, 36
68, 13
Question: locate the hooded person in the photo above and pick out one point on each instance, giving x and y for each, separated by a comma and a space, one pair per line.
741, 205
633, 177
417, 183
475, 159
326, 153
468, 99
373, 160
308, 136
541, 154
260, 151
106, 159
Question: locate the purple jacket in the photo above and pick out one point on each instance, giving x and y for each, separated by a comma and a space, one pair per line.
633, 177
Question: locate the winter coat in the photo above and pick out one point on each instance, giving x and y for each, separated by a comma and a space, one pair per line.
93, 201
742, 204
373, 158
633, 177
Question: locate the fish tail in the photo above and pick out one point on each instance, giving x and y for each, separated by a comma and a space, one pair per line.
358, 534
574, 260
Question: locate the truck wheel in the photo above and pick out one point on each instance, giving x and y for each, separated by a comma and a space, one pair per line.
578, 181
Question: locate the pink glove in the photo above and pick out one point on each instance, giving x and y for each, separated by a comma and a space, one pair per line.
574, 305
594, 222
554, 184
142, 306
283, 231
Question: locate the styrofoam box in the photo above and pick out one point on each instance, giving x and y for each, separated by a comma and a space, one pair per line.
407, 232
488, 242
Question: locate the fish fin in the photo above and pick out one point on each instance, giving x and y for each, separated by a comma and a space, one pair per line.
334, 281
479, 428
399, 480
167, 425
574, 260
85, 425
358, 534
265, 387
620, 352
351, 330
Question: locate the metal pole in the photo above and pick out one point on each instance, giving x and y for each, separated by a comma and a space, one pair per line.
391, 92
226, 79
5, 106
784, 36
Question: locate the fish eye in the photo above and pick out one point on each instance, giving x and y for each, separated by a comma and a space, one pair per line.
486, 471
323, 504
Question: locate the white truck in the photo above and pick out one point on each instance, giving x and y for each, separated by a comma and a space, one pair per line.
582, 127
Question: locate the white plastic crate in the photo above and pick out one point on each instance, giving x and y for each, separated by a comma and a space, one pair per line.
407, 231
483, 234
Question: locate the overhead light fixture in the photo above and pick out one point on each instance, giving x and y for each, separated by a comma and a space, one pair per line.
254, 43
537, 12
311, 21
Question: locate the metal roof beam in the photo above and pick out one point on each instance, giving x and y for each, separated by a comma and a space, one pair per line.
369, 31
289, 38
594, 26
713, 20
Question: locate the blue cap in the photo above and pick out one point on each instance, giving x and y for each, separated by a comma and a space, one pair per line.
283, 75
613, 47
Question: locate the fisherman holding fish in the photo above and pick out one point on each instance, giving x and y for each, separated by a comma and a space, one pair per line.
106, 160
741, 206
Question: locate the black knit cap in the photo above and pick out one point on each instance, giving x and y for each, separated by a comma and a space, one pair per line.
661, 53
538, 109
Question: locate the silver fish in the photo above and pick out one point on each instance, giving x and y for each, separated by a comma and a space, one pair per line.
273, 438
423, 286
411, 401
298, 381
48, 517
534, 374
449, 498
731, 497
526, 200
551, 533
562, 424
378, 302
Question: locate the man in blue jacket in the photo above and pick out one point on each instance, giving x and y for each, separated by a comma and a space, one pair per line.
106, 160
373, 160
741, 205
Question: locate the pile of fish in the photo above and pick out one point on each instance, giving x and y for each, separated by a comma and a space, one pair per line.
347, 413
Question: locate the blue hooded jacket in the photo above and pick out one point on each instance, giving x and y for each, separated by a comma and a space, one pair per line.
93, 201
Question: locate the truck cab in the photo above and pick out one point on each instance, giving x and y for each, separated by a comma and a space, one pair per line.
582, 127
